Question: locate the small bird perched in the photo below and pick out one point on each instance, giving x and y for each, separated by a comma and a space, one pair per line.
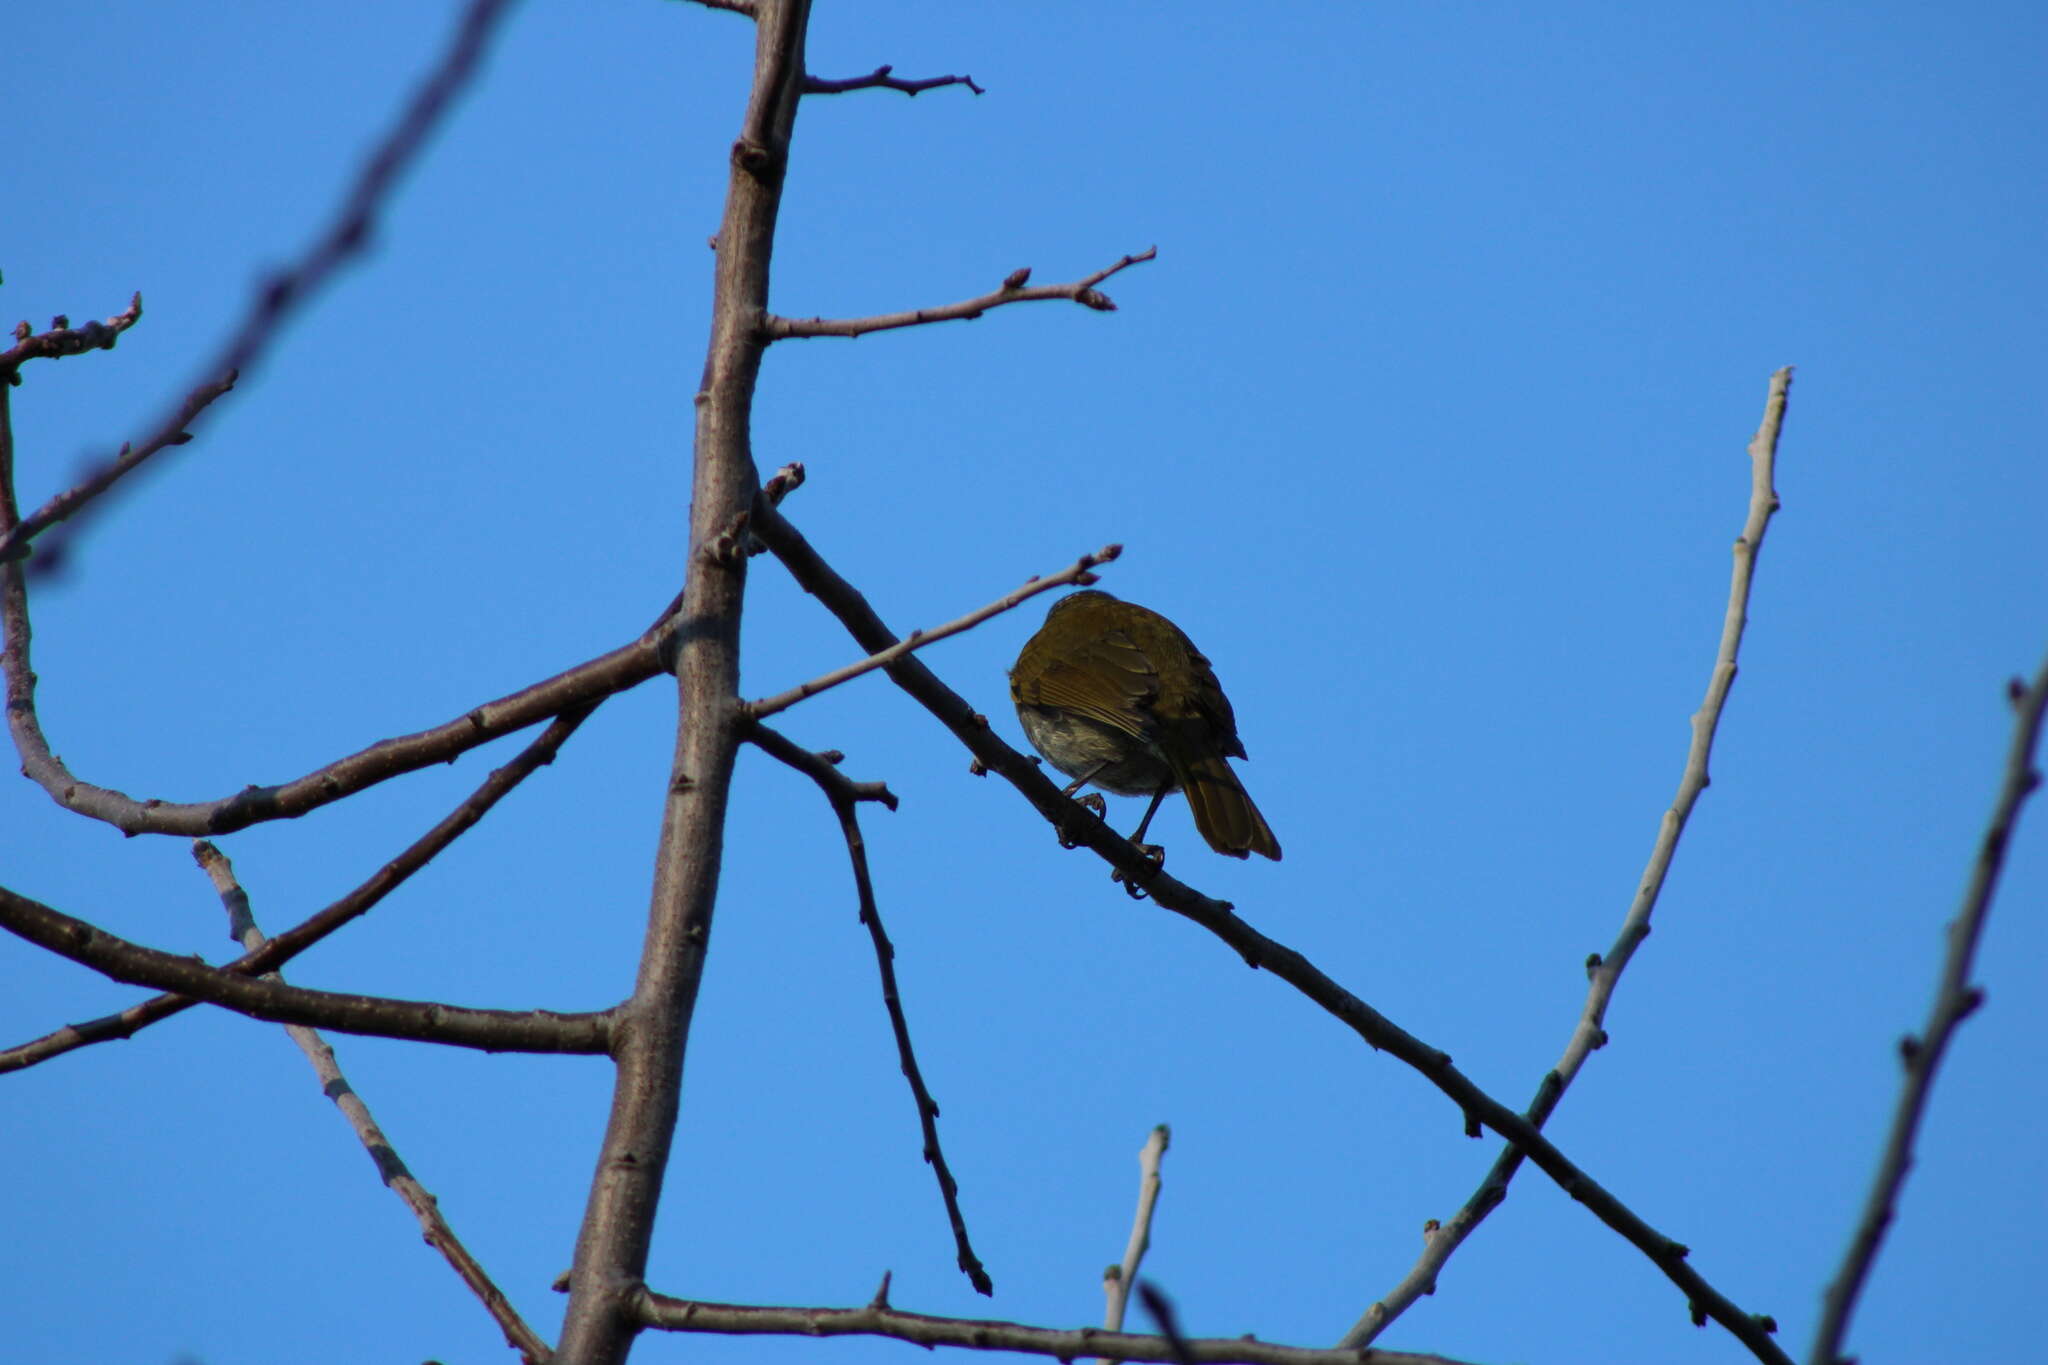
1116, 695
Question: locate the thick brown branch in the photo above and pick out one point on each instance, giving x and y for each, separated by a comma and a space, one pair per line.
1013, 290
1079, 827
1077, 572
845, 795
1605, 971
294, 941
391, 1168
1954, 999
279, 296
988, 1334
882, 79
422, 1020
625, 1191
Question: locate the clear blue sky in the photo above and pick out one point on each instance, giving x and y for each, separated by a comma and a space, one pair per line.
1427, 425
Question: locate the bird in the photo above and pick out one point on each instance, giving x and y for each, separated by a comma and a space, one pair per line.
1116, 695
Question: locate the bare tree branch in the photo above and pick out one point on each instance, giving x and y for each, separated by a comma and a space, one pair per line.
1954, 1000
380, 1016
845, 795
391, 1168
280, 295
1077, 826
1442, 1241
881, 79
579, 687
14, 542
1013, 290
1118, 1279
988, 1334
292, 942
1077, 573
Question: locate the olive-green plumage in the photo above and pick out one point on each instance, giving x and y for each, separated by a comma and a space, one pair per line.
1116, 695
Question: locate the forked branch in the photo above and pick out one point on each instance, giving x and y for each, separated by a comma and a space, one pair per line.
379, 1016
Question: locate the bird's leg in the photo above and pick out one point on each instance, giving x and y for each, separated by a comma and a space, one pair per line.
1152, 851
1138, 835
1093, 801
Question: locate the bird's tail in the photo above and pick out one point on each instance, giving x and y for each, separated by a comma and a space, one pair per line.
1223, 809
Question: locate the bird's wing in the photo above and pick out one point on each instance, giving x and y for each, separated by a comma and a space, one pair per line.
1107, 679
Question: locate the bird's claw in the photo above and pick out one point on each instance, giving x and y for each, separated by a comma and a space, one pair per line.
1154, 854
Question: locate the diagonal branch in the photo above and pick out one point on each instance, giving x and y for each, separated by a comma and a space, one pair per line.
279, 296
1079, 827
1013, 290
882, 79
292, 942
845, 794
878, 1319
1077, 572
380, 1016
1442, 1241
580, 687
391, 1168
1954, 999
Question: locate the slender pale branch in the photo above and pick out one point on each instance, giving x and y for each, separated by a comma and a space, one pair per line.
1077, 572
844, 795
391, 1168
292, 942
881, 78
1118, 1279
380, 1016
1079, 827
988, 1334
1954, 999
1604, 971
344, 238
1013, 290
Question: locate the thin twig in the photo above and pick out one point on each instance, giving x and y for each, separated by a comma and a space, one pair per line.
1162, 1311
1118, 1279
845, 794
988, 1334
881, 79
391, 1168
14, 542
381, 1016
1080, 828
1954, 999
1077, 572
1013, 290
1440, 1242
281, 294
296, 940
